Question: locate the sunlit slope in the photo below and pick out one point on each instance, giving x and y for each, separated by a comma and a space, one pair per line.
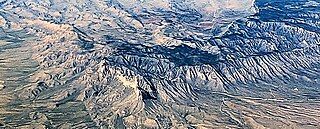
170, 64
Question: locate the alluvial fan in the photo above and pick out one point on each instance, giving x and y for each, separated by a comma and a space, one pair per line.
159, 64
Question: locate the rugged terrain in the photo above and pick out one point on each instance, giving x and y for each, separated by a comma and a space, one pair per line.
159, 64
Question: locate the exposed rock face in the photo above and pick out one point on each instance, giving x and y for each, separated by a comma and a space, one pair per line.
168, 64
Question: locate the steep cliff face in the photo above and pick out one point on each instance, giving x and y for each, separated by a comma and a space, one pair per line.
168, 64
